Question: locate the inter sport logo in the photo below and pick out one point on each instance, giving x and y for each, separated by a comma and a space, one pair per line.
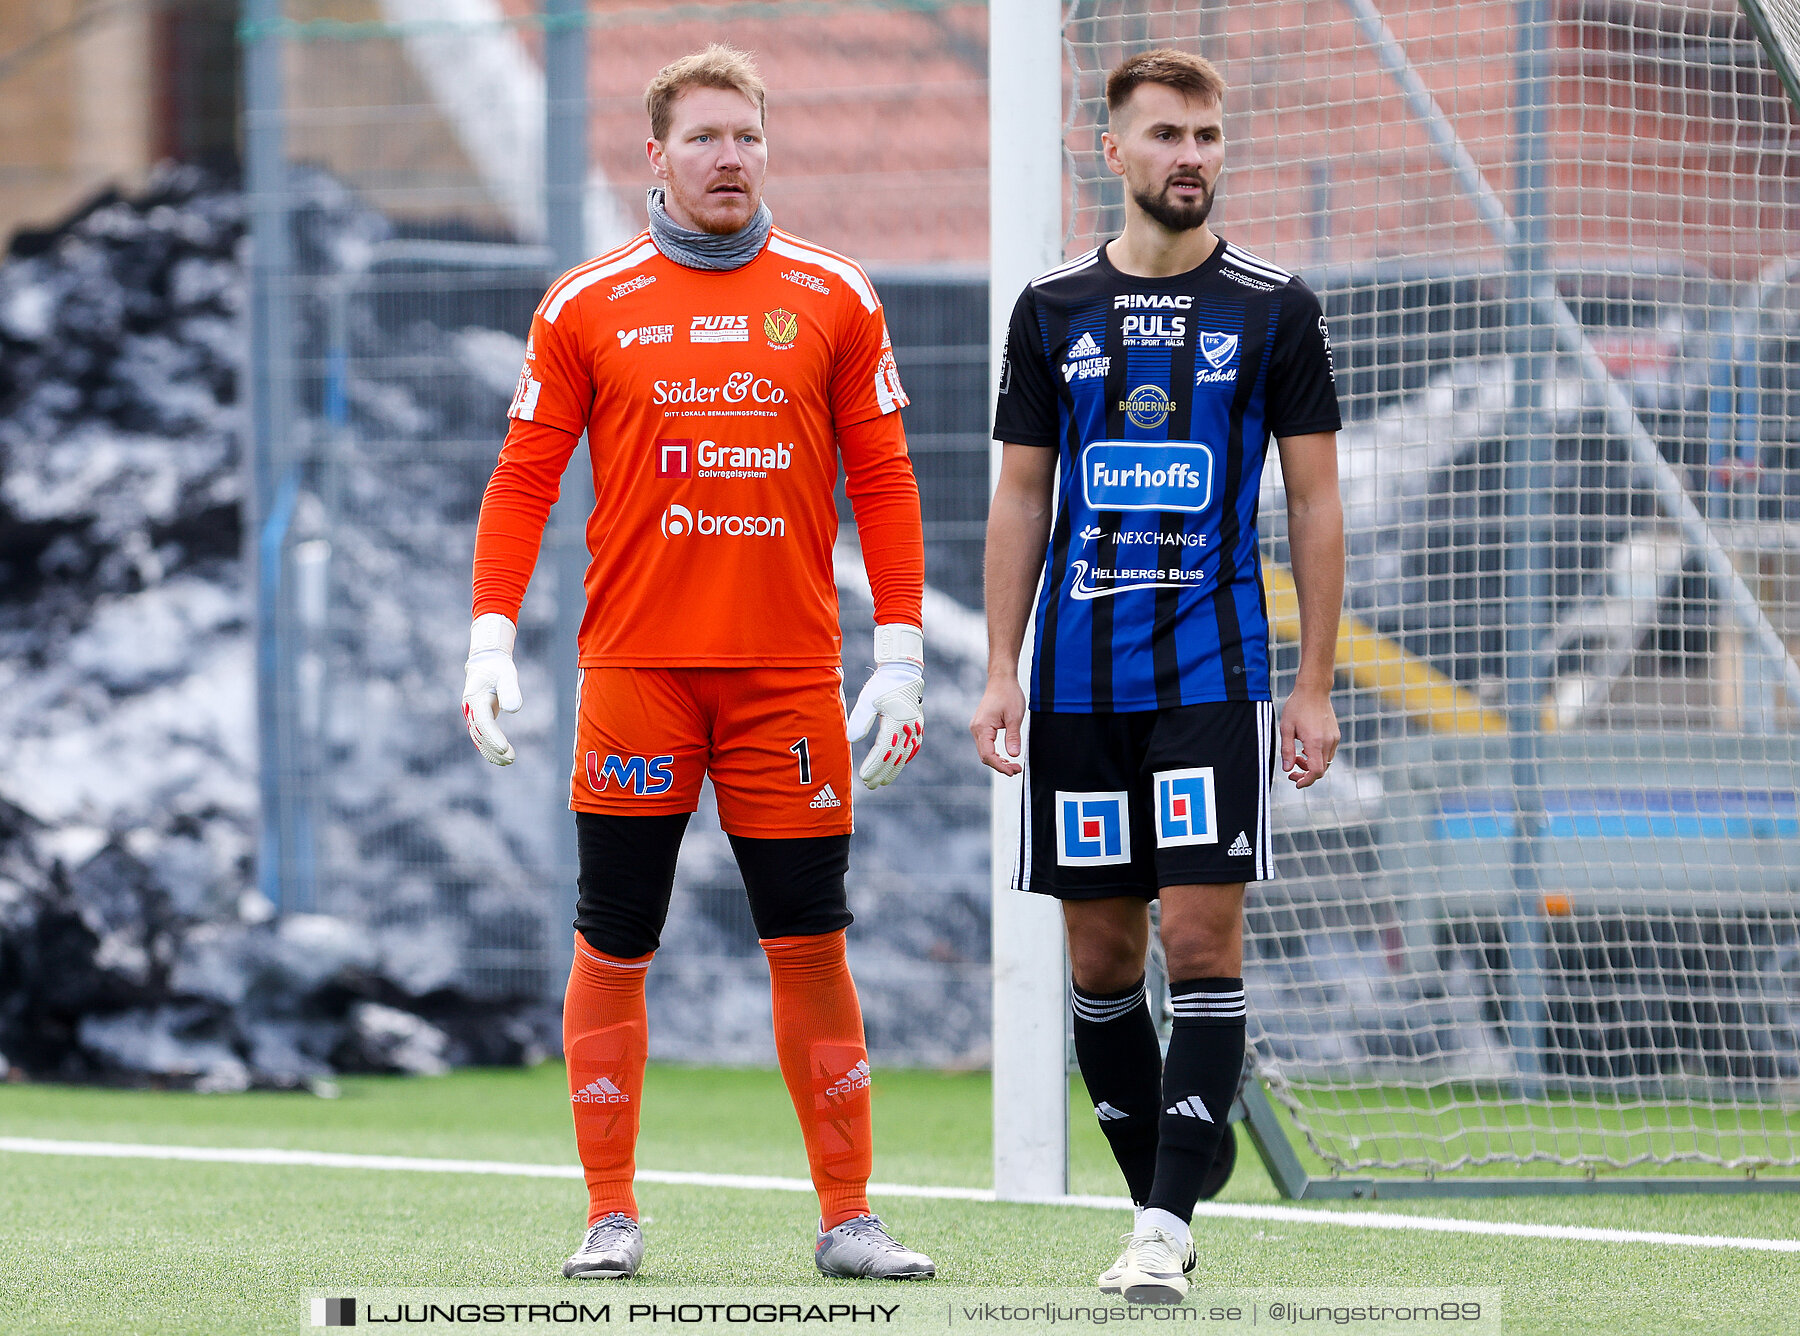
1092, 829
679, 522
647, 334
1126, 475
1185, 808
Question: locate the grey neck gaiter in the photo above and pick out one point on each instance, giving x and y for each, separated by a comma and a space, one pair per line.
707, 250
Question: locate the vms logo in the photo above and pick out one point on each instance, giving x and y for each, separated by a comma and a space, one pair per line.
1128, 475
644, 777
781, 328
1185, 811
1147, 406
672, 460
1092, 829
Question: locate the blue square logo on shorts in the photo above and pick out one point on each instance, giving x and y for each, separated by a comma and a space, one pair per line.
1185, 812
1092, 829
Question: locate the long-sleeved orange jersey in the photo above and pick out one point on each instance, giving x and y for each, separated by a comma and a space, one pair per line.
717, 405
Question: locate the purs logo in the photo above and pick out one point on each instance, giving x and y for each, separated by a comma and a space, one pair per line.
1092, 829
719, 329
781, 328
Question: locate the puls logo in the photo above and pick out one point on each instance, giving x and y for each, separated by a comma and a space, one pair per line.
644, 776
679, 522
1153, 331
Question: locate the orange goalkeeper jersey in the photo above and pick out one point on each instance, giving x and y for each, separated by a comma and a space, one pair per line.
714, 403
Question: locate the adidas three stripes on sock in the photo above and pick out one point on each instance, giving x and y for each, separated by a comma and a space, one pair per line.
1121, 1065
1200, 1079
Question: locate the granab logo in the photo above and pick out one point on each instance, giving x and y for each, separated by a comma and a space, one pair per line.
739, 387
781, 328
719, 329
743, 461
672, 457
679, 522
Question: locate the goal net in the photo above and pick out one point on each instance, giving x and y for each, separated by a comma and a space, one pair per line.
1546, 907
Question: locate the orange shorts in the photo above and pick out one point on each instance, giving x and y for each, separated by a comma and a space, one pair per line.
771, 738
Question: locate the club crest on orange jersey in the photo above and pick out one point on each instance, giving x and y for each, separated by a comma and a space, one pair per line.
781, 328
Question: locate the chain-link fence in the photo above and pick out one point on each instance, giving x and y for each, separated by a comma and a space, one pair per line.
1547, 904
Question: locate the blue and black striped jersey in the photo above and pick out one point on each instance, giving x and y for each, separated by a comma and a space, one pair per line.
1161, 395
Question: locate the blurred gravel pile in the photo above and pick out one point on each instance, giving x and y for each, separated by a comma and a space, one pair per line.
132, 942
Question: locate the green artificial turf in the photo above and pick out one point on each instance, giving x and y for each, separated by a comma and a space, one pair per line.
91, 1245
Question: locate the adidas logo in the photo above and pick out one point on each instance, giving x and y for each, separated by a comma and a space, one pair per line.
601, 1091
857, 1078
825, 798
1084, 347
1191, 1107
1107, 1113
1240, 847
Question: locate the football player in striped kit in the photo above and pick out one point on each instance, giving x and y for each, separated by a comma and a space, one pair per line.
1147, 378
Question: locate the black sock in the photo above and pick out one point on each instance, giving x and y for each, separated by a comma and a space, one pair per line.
1121, 1065
1200, 1079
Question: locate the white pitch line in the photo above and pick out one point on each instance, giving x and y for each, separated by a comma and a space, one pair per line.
1294, 1215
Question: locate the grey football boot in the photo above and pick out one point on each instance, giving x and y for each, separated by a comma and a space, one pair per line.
612, 1250
863, 1247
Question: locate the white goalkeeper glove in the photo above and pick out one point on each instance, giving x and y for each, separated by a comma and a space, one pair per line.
491, 681
893, 701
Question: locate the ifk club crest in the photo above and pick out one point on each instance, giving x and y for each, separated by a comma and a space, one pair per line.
781, 328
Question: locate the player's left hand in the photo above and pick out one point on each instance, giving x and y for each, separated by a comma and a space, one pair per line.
1309, 736
893, 701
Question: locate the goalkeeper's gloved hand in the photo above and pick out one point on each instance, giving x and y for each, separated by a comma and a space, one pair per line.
894, 702
492, 680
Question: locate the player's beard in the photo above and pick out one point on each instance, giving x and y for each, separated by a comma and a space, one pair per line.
1175, 215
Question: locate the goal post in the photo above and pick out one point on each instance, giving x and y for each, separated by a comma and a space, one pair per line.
1543, 918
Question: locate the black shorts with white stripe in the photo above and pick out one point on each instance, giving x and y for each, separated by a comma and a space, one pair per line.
1130, 802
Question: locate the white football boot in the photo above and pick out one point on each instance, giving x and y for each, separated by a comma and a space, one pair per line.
863, 1247
1153, 1269
612, 1250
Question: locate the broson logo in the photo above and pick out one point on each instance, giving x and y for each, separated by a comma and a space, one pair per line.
678, 522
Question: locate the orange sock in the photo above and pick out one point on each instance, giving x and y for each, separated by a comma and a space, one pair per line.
819, 1039
606, 1038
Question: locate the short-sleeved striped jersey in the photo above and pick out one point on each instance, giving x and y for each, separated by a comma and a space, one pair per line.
1161, 395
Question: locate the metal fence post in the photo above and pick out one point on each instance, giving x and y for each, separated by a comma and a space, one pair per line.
565, 185
272, 476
